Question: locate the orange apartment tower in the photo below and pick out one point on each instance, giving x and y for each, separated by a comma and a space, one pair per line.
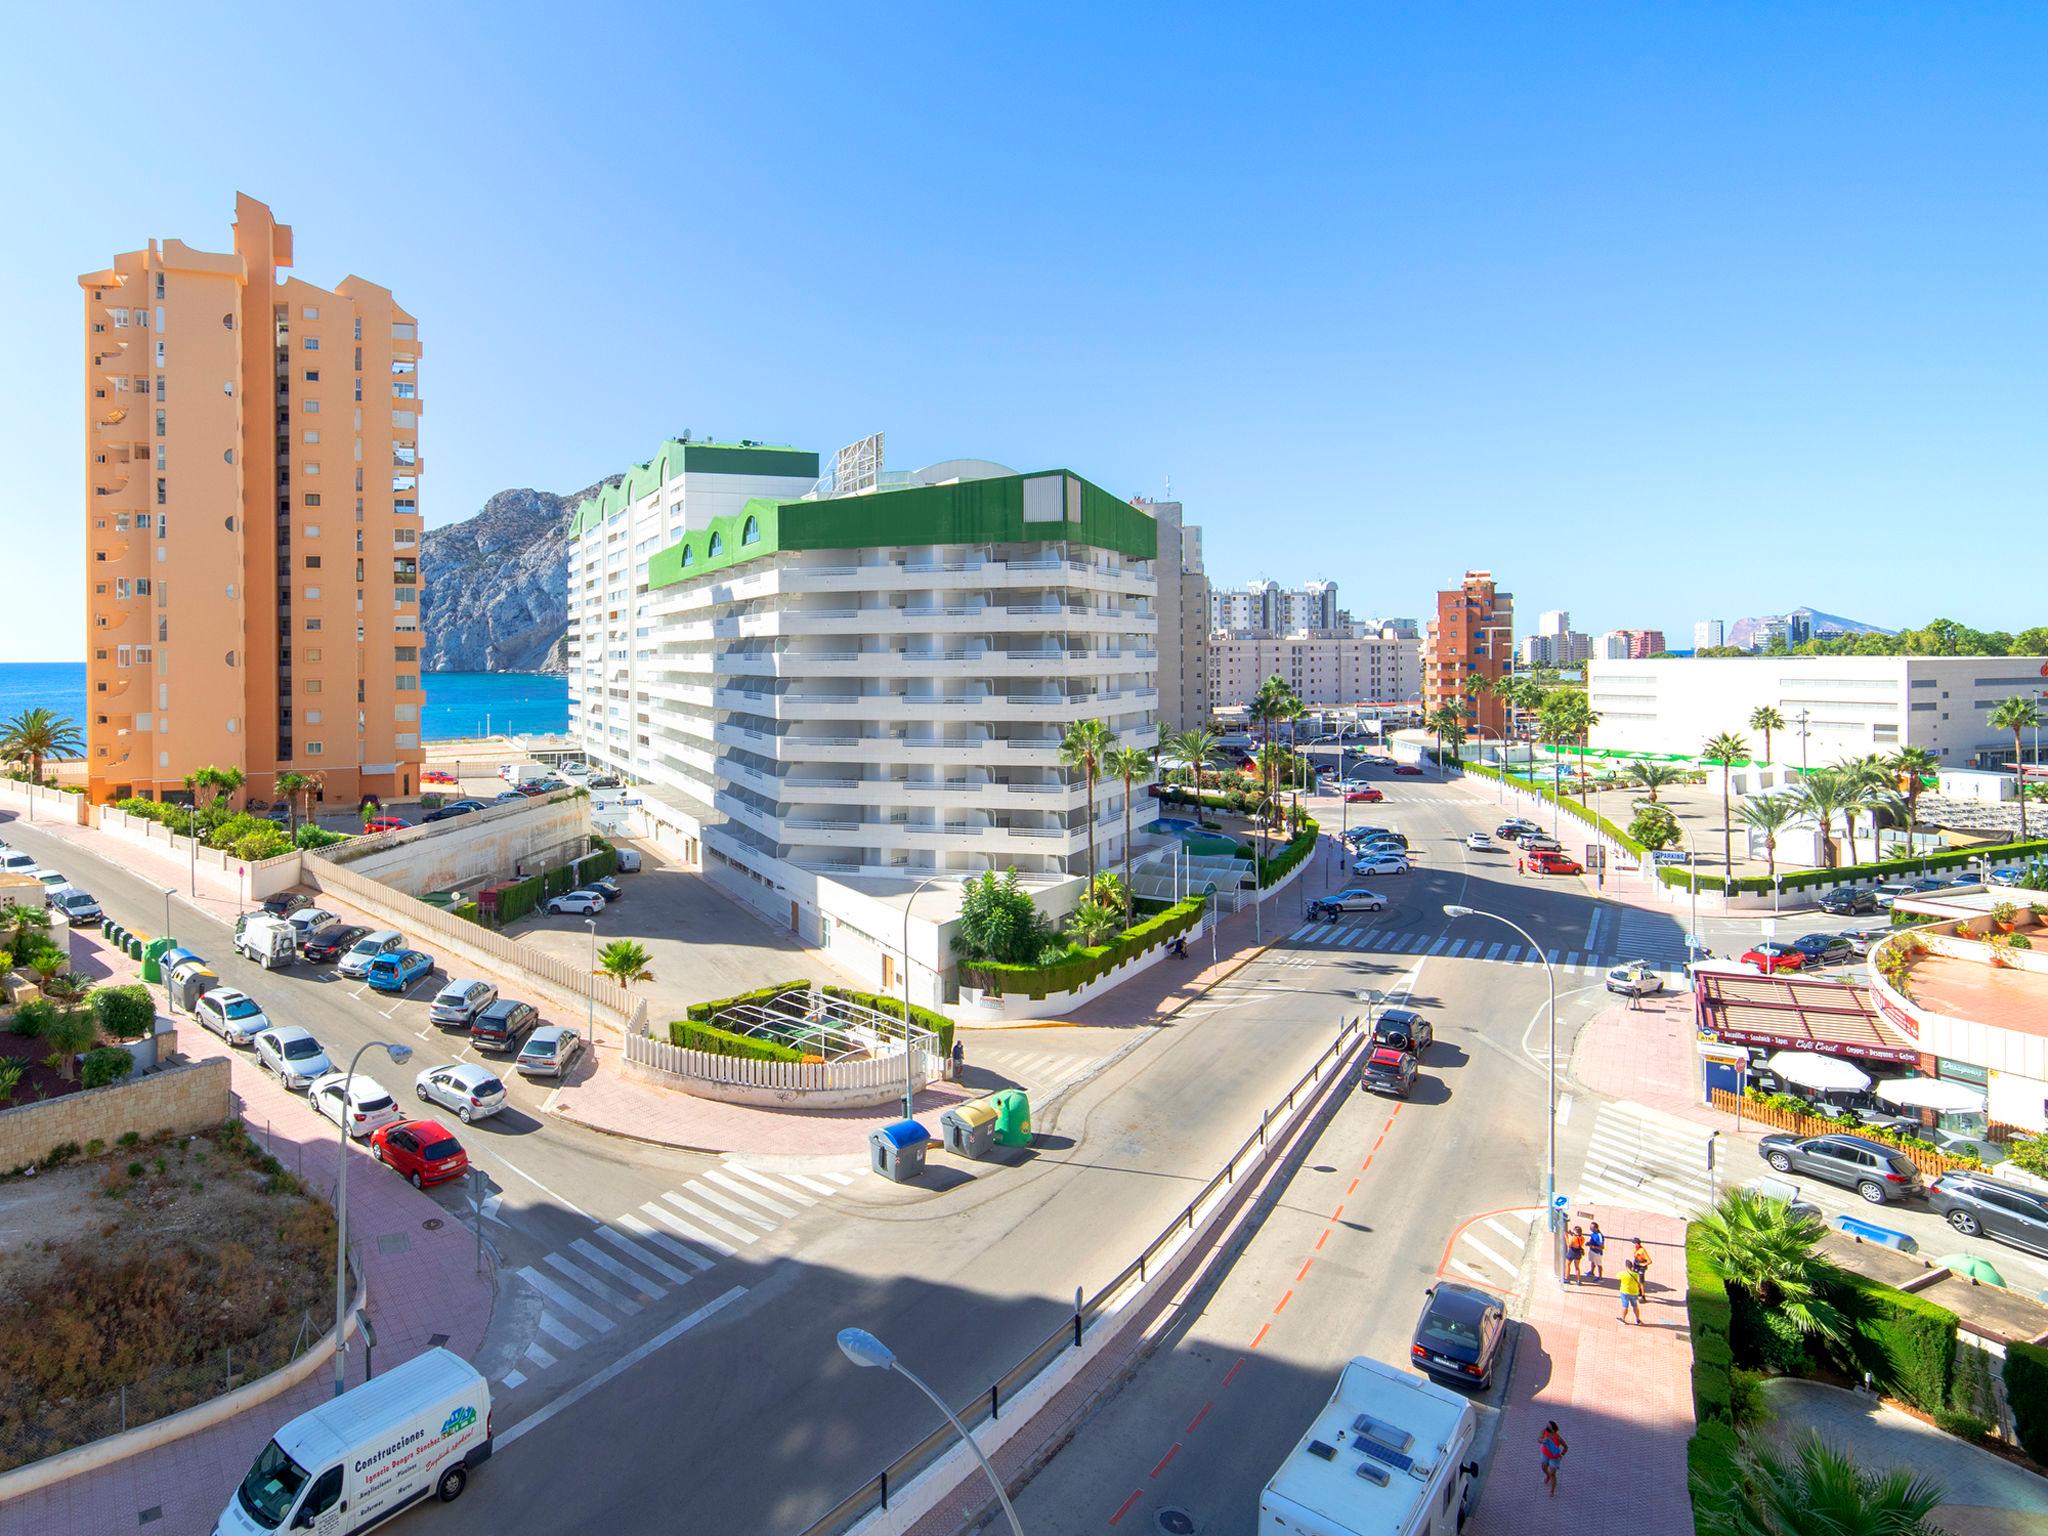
252, 523
1472, 636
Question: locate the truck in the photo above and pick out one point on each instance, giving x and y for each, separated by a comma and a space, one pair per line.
357, 1460
1389, 1455
269, 941
519, 775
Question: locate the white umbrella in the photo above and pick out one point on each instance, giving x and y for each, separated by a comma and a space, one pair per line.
1812, 1070
1931, 1093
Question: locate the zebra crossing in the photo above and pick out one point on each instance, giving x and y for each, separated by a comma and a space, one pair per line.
1644, 1162
1438, 942
1043, 1074
634, 1262
1489, 1251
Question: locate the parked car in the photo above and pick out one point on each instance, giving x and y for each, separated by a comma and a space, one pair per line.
234, 1016
75, 906
472, 1091
355, 962
355, 1102
1818, 949
292, 1056
1875, 1171
467, 805
1771, 955
1404, 1029
1634, 979
1479, 840
1408, 770
579, 901
1862, 940
1354, 898
456, 1005
1514, 827
574, 770
1974, 1204
1892, 890
1458, 1336
506, 797
330, 943
311, 920
437, 776
421, 1150
1548, 863
1355, 796
444, 813
628, 860
386, 824
1846, 903
398, 970
606, 781
1380, 864
504, 1025
285, 903
550, 1051
607, 887
1388, 1070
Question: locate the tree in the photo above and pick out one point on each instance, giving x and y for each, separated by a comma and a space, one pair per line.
222, 781
1199, 748
1448, 721
37, 734
2016, 714
1093, 922
1869, 783
299, 787
1772, 1252
1654, 776
1821, 796
1913, 766
625, 962
999, 921
1770, 815
1766, 719
124, 1013
1817, 1491
1726, 749
1655, 827
69, 1033
1274, 701
1568, 720
1129, 764
26, 928
1082, 750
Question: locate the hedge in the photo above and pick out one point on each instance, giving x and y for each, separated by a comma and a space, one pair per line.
1905, 1342
2026, 1393
519, 898
1085, 966
1888, 869
699, 1015
1571, 807
924, 1018
702, 1013
1299, 847
1710, 1455
602, 860
723, 1042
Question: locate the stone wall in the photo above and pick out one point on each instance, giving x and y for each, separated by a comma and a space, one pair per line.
486, 845
189, 1097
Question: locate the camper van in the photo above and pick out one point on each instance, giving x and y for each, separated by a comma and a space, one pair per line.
353, 1463
1389, 1455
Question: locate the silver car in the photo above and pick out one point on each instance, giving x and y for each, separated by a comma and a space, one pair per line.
472, 1091
550, 1051
293, 1056
232, 1015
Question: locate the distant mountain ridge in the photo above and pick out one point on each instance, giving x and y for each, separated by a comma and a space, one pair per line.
494, 587
1749, 632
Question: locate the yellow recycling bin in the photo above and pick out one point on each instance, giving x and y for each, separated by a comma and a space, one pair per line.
970, 1128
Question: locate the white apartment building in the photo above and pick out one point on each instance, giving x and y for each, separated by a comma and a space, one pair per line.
1184, 605
1708, 633
830, 697
1268, 606
1324, 667
1834, 706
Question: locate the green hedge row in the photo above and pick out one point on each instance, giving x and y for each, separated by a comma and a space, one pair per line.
1085, 966
923, 1018
1710, 1454
703, 1012
1908, 1344
1569, 806
700, 1014
2026, 1393
1890, 869
723, 1042
518, 899
1299, 847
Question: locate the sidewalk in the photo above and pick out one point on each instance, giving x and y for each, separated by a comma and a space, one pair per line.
216, 896
1647, 1054
1621, 1396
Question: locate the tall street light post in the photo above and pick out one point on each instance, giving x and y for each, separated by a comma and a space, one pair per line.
398, 1054
163, 971
909, 1066
590, 993
1550, 1123
864, 1349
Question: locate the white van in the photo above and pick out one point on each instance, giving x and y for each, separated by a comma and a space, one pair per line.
1388, 1455
353, 1463
269, 941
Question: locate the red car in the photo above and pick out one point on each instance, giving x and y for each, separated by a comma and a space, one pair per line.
1408, 770
1555, 864
1352, 797
1772, 956
386, 824
420, 1150
437, 776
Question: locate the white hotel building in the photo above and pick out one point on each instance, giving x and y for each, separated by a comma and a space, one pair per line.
829, 696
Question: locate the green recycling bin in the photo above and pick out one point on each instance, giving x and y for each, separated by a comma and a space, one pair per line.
149, 955
1013, 1117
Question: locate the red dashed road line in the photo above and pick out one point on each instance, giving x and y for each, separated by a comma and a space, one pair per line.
1323, 1239
1125, 1507
1353, 1189
1175, 1451
1227, 1380
1305, 1263
1195, 1422
1281, 1305
1257, 1339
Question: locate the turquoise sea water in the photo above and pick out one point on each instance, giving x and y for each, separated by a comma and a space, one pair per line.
458, 703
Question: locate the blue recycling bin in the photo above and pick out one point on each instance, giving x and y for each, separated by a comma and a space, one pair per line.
898, 1151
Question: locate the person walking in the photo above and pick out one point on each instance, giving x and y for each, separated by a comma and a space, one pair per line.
1522, 868
1574, 1252
1550, 1445
1596, 1250
1632, 1296
1640, 1262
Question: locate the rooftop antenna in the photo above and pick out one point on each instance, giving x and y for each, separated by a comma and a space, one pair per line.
1169, 489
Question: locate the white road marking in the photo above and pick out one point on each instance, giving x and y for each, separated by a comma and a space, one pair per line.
536, 1183
611, 1266
743, 1190
662, 1240
539, 1356
590, 1283
560, 1332
1508, 1233
1489, 1255
511, 1381
562, 1299
640, 1255
816, 1186
1564, 1109
727, 1203
1470, 1273
841, 1179
705, 1216
762, 1179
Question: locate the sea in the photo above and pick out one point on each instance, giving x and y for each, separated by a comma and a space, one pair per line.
458, 703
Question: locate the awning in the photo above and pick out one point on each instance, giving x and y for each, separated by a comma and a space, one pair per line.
1931, 1093
1809, 1069
1788, 1012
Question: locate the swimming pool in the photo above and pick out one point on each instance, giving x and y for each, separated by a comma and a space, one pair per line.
1176, 824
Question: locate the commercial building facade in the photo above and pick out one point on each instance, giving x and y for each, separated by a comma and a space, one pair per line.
1471, 637
1325, 668
252, 523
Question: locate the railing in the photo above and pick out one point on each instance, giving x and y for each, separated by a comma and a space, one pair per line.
987, 1405
797, 1076
1931, 1163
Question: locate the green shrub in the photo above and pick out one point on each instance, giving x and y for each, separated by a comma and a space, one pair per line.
1298, 847
312, 835
722, 1042
1746, 1399
468, 911
266, 843
556, 881
1710, 1455
519, 898
1712, 1396
124, 1013
923, 1018
11, 1074
702, 1013
1706, 1297
1077, 967
1712, 1349
2026, 1393
1964, 1426
108, 1064
602, 860
33, 1018
1906, 1343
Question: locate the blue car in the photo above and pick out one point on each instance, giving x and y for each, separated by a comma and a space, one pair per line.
399, 969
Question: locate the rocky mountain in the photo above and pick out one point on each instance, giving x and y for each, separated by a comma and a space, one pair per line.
494, 588
1820, 626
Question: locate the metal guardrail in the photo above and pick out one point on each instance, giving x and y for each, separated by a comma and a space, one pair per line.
987, 1405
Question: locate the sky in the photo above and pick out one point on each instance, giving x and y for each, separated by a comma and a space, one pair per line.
1659, 313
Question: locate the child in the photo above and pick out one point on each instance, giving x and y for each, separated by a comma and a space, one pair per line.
1631, 1296
1552, 1448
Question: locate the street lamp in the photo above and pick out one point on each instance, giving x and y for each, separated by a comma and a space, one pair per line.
1550, 1125
1692, 865
163, 974
398, 1054
590, 995
864, 1349
909, 1066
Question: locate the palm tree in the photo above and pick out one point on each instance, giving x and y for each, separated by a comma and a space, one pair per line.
2016, 714
36, 734
1725, 749
1093, 922
1129, 764
1271, 703
1568, 719
1913, 766
1869, 782
222, 781
297, 787
1817, 1491
1772, 1252
625, 962
1770, 815
1821, 796
1272, 758
1448, 721
1654, 776
1766, 719
1082, 750
1199, 747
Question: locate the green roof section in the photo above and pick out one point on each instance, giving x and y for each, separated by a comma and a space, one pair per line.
967, 512
676, 457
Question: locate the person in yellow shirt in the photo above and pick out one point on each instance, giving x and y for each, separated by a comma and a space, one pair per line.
1631, 1295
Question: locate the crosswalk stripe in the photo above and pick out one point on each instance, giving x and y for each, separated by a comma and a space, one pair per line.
1513, 954
590, 1282
1490, 1256
539, 1356
1470, 1273
561, 1298
512, 1381
664, 1242
703, 1215
765, 1182
640, 1255
1508, 1233
1442, 940
560, 1331
747, 1192
841, 1179
816, 1186
694, 1234
652, 1290
1554, 956
727, 1203
1295, 937
1573, 960
1456, 945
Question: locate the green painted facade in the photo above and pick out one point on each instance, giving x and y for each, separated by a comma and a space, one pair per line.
971, 512
676, 457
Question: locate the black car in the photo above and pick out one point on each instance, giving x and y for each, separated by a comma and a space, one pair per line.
1825, 949
605, 781
1875, 1171
1847, 903
331, 942
606, 887
1404, 1029
1459, 1334
1972, 1203
503, 1025
284, 903
1388, 1070
446, 813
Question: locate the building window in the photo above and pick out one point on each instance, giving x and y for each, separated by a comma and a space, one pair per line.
312, 623
310, 312
311, 343
312, 685
312, 375
312, 407
312, 498
750, 532
312, 530
310, 436
312, 654
309, 469
312, 717
312, 562
716, 547
689, 557
313, 749
159, 423
312, 594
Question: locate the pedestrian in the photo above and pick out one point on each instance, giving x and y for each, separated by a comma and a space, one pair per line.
1640, 1259
1632, 1296
1574, 1252
1522, 868
1596, 1249
1550, 1444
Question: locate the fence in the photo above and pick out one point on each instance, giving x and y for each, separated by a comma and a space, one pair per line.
987, 1406
1814, 1125
797, 1076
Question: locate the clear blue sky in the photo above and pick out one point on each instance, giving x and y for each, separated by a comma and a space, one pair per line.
1661, 314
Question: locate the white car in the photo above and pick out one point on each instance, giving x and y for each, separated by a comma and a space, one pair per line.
1478, 840
472, 1091
1380, 864
1892, 890
51, 881
310, 920
576, 901
356, 1103
575, 770
1634, 979
232, 1015
292, 1056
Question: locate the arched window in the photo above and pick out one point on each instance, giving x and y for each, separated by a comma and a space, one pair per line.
751, 532
689, 557
717, 547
